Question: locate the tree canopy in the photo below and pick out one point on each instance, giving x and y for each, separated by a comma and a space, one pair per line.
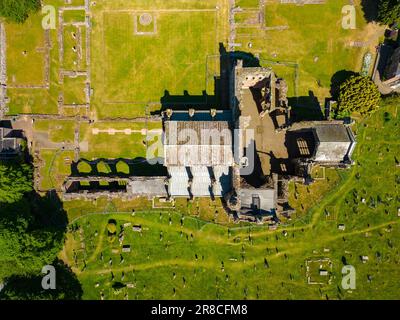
18, 10
24, 250
15, 181
32, 231
388, 11
32, 227
357, 94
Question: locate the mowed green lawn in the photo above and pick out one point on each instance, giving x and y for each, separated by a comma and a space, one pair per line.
56, 166
25, 63
134, 70
118, 145
253, 262
58, 130
41, 101
140, 67
74, 90
29, 69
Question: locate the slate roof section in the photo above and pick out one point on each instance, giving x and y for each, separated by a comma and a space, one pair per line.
332, 133
335, 143
8, 143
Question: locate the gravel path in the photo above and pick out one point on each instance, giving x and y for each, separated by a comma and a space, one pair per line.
3, 72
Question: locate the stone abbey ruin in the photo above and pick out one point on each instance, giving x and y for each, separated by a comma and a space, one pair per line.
246, 153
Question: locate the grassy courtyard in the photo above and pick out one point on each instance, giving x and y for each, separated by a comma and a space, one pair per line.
24, 52
142, 61
129, 145
312, 37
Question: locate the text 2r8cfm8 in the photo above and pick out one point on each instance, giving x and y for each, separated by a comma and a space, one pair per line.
221, 309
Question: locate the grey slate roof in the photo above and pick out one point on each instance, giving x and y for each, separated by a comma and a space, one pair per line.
332, 133
8, 144
335, 143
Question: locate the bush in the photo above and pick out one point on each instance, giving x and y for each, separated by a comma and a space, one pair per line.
111, 238
111, 227
357, 94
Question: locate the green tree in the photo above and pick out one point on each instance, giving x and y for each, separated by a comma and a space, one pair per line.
388, 11
18, 10
15, 181
26, 244
357, 94
32, 227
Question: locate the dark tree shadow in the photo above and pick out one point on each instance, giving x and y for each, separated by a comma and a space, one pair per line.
68, 286
370, 9
49, 212
337, 79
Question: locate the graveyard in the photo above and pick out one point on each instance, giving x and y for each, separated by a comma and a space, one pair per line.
176, 255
